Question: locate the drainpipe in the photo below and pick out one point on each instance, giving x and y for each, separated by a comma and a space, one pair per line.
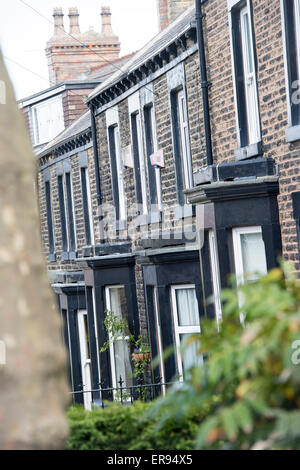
204, 83
97, 168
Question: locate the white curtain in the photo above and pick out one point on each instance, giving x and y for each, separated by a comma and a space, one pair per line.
122, 361
190, 355
187, 307
254, 255
118, 302
121, 346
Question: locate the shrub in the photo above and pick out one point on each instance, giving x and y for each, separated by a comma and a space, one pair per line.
120, 427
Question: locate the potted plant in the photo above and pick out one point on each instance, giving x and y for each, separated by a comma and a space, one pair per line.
141, 350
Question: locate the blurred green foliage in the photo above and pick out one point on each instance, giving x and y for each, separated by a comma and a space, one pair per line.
245, 396
250, 383
120, 427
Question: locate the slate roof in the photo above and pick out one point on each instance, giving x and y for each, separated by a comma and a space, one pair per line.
81, 124
153, 47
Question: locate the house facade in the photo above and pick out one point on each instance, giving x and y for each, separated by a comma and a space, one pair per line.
183, 172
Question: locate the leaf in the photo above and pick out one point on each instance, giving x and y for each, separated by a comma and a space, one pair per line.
203, 437
244, 417
229, 422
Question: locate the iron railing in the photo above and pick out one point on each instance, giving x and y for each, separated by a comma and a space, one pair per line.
126, 395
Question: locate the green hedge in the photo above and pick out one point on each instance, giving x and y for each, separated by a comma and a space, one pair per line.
120, 427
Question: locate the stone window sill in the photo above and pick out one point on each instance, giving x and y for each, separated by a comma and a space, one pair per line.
120, 225
292, 134
52, 257
253, 150
68, 255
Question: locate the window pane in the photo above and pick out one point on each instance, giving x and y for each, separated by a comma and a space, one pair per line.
71, 222
253, 255
86, 329
118, 302
190, 357
187, 307
248, 51
122, 362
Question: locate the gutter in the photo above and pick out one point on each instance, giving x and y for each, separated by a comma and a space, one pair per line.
204, 83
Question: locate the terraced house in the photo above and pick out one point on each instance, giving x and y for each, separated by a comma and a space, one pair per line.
183, 171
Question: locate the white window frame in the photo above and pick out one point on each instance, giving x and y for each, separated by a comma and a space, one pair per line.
35, 123
89, 203
159, 339
142, 161
112, 121
214, 261
67, 209
297, 30
237, 250
250, 78
96, 331
230, 5
155, 149
178, 330
112, 339
119, 166
85, 361
184, 139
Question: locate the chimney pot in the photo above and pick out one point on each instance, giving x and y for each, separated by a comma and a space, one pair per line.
74, 20
58, 16
106, 21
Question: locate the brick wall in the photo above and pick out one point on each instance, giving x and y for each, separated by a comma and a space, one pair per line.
163, 14
176, 7
272, 102
273, 116
74, 104
169, 10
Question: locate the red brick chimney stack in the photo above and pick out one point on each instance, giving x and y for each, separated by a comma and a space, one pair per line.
67, 57
106, 21
74, 21
163, 14
58, 16
169, 10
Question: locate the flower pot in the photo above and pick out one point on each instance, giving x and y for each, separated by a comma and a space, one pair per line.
140, 356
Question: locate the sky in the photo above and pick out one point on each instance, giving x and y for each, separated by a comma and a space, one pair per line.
24, 33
